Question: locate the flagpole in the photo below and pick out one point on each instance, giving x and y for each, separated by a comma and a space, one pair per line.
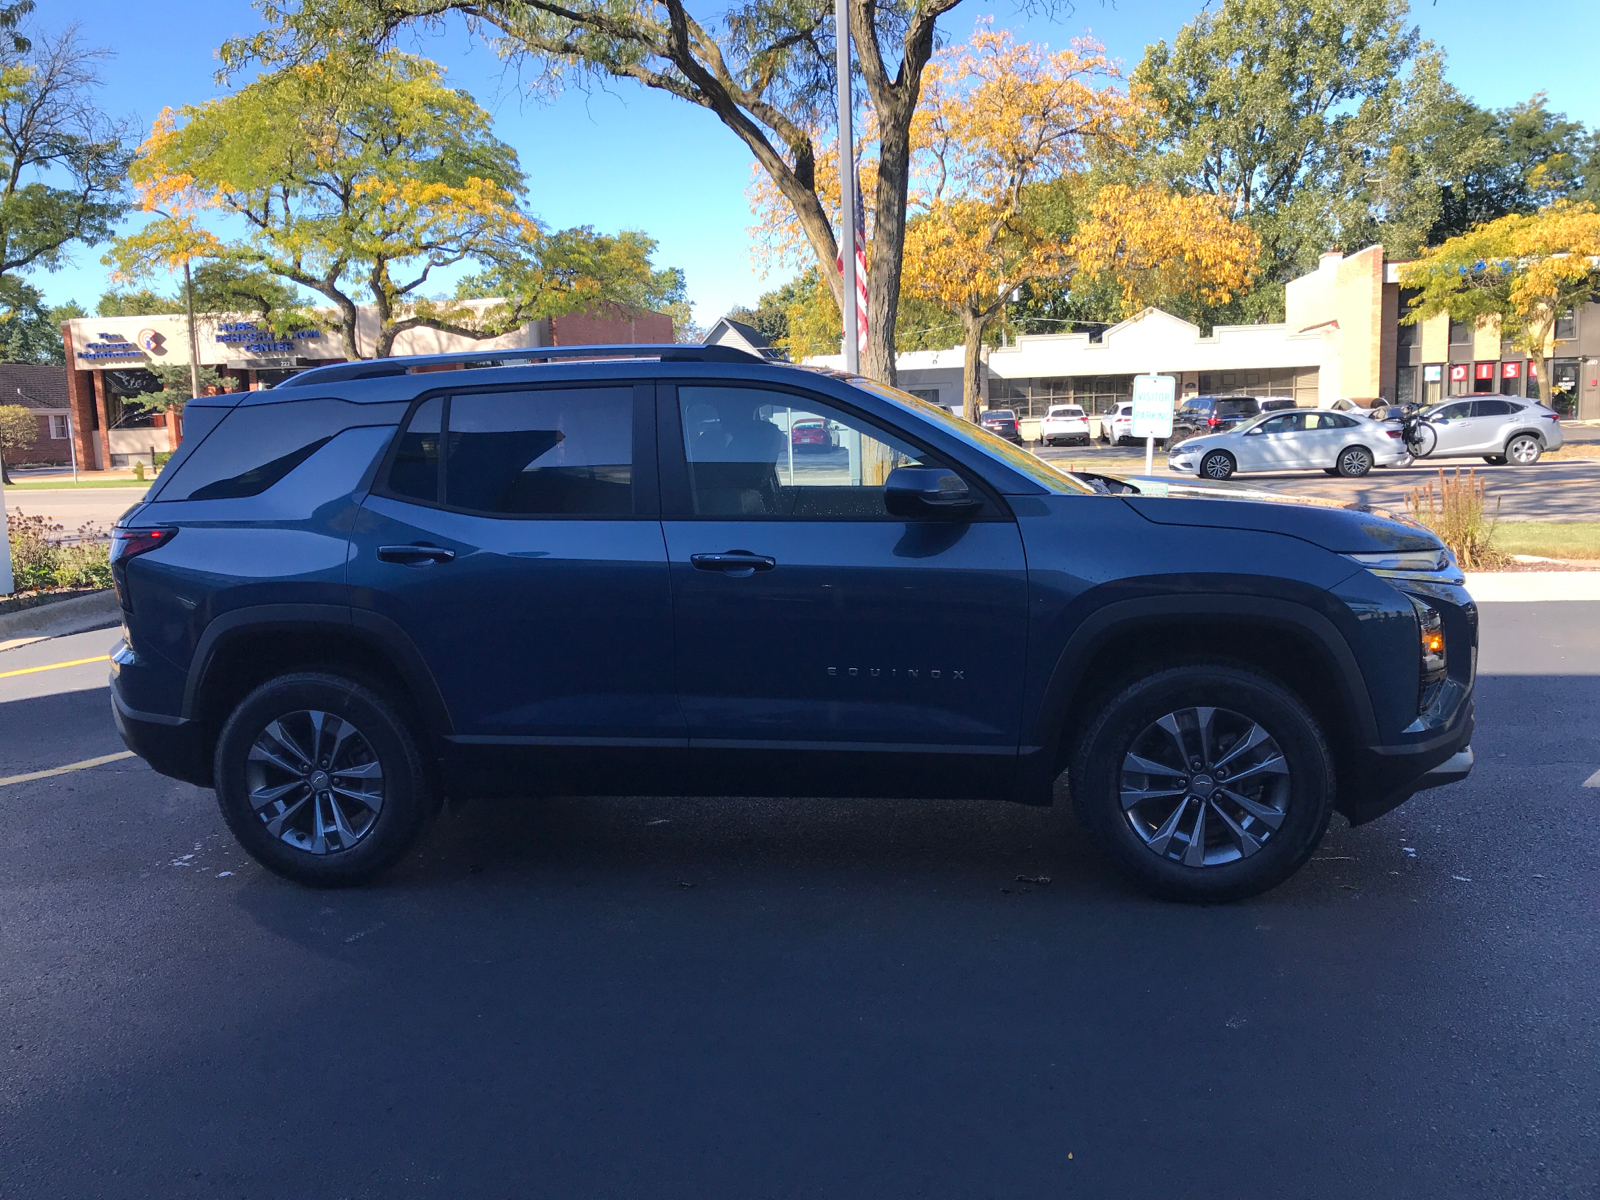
847, 187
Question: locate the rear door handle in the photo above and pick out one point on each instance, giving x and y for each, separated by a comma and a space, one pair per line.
414, 554
738, 563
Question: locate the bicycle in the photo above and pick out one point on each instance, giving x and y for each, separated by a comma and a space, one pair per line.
1419, 437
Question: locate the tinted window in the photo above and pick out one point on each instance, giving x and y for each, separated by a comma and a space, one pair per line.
1491, 408
1232, 408
258, 444
745, 458
1453, 412
415, 472
557, 452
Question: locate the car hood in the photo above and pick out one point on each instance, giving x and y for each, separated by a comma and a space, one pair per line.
1332, 524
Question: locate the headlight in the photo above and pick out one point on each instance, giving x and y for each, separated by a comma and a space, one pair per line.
1432, 663
1403, 560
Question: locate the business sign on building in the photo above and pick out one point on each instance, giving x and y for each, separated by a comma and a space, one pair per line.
1431, 373
99, 343
1510, 370
1458, 373
1485, 371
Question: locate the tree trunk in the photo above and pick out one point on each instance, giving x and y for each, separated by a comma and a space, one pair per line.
972, 327
888, 245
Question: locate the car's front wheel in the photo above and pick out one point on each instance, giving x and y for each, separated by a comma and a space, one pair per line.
1354, 461
1218, 464
1205, 782
1524, 450
320, 779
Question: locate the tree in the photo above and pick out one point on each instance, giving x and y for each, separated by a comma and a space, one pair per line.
18, 430
63, 163
1315, 121
1515, 160
136, 302
177, 388
764, 68
30, 330
1520, 271
363, 176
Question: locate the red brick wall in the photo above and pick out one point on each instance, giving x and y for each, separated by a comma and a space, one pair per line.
44, 448
621, 329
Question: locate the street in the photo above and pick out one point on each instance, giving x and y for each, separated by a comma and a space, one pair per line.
753, 998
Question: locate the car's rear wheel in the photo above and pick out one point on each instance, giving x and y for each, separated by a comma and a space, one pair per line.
1330, 470
1495, 460
1205, 782
1218, 464
1354, 462
1523, 450
320, 779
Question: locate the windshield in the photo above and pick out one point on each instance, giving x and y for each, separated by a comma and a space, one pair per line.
1014, 457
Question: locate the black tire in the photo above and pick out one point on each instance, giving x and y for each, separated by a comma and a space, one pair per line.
1097, 782
1354, 462
1524, 450
1495, 460
1422, 443
1217, 464
1330, 470
407, 802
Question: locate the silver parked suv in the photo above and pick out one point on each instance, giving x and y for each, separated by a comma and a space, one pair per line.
1503, 429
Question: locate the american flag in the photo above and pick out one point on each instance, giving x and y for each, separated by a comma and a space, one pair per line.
861, 261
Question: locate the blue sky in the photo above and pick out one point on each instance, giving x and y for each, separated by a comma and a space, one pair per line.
634, 159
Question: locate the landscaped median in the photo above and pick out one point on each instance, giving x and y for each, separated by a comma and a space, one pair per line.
1549, 539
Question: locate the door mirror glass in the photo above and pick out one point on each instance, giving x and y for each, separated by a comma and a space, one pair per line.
927, 492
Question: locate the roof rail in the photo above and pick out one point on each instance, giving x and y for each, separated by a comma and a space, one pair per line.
378, 368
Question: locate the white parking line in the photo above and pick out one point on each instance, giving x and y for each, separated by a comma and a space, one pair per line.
77, 766
1593, 780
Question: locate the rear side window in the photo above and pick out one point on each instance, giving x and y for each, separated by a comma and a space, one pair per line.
256, 445
545, 452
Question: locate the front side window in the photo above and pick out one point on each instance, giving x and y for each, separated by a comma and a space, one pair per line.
1454, 412
771, 454
1288, 423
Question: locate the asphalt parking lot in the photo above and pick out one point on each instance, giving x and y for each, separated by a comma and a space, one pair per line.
708, 998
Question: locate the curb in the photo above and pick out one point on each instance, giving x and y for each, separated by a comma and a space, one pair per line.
1500, 587
99, 610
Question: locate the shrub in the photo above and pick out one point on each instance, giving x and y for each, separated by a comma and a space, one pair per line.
40, 558
1455, 510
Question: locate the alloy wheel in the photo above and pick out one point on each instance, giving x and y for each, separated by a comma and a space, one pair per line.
314, 781
1204, 787
1355, 462
1523, 450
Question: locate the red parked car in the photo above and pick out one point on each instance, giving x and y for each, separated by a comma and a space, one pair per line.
809, 433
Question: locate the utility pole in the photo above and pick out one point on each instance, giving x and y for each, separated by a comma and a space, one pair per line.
7, 580
194, 346
847, 189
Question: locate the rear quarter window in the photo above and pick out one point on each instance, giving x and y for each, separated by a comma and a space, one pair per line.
256, 445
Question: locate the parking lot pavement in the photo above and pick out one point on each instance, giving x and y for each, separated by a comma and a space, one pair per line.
1564, 490
707, 998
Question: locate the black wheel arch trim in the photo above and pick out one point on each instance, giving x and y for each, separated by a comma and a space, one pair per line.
1119, 615
376, 632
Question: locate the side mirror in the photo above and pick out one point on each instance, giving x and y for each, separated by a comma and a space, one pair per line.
928, 492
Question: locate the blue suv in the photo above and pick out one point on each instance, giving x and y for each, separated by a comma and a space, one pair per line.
688, 571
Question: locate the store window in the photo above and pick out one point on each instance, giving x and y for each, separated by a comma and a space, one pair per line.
1432, 382
1460, 333
1566, 326
1531, 390
1460, 379
1511, 379
1405, 385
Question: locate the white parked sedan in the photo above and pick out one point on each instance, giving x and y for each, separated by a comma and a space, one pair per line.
1064, 423
1291, 441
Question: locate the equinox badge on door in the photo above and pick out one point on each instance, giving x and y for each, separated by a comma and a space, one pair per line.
897, 672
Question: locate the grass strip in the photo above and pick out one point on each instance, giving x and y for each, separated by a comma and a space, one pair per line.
1549, 539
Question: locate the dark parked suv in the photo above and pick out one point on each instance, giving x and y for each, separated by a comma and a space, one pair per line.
1199, 415
374, 587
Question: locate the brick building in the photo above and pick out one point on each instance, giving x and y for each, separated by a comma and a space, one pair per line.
42, 390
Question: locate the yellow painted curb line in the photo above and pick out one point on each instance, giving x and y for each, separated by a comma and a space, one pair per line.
77, 662
77, 766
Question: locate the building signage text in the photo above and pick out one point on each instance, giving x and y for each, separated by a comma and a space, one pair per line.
259, 339
110, 345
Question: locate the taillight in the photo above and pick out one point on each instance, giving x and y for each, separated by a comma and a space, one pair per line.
1213, 421
130, 543
1394, 433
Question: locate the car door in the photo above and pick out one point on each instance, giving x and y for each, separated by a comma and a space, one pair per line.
1451, 428
1270, 446
514, 537
1484, 429
1325, 435
818, 636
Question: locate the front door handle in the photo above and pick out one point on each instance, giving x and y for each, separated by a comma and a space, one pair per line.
418, 552
737, 563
